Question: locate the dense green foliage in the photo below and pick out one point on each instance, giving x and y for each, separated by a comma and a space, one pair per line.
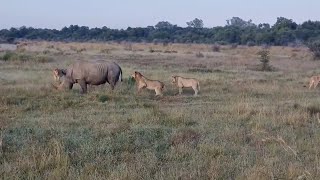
237, 31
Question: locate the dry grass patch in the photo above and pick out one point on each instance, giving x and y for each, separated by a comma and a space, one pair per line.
244, 124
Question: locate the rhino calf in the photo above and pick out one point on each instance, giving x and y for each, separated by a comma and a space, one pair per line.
91, 73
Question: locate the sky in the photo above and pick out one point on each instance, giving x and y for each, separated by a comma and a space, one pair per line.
120, 14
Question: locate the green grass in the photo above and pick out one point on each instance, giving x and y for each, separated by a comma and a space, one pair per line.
243, 125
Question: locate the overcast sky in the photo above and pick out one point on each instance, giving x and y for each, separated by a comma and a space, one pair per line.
141, 13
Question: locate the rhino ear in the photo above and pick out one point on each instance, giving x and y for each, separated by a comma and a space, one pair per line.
64, 71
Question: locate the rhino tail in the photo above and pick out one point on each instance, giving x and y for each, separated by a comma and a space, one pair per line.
120, 77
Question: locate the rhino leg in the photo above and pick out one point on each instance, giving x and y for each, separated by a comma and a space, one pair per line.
83, 86
112, 83
70, 85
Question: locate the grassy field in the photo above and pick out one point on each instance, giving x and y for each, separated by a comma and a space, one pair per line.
245, 124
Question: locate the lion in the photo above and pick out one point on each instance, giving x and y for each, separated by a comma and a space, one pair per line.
314, 80
182, 82
58, 73
144, 82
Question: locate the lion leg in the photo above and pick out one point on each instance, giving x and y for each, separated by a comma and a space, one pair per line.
316, 84
195, 89
139, 90
158, 92
180, 90
310, 84
140, 87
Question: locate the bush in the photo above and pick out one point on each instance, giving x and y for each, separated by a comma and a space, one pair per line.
42, 59
215, 48
21, 57
251, 43
105, 51
199, 55
12, 56
81, 50
103, 98
264, 59
314, 48
7, 56
234, 46
200, 70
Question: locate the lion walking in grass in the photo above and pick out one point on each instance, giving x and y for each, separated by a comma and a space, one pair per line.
183, 82
314, 81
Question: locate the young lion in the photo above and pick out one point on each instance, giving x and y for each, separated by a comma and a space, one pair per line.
58, 73
144, 82
182, 82
314, 80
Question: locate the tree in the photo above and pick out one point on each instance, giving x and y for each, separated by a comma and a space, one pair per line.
238, 22
163, 25
196, 23
264, 26
284, 23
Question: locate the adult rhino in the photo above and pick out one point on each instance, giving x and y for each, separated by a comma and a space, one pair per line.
91, 73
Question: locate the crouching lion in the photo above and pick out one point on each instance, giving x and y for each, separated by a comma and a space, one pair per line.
182, 82
314, 80
144, 82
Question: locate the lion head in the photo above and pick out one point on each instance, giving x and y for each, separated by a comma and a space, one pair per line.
58, 73
173, 79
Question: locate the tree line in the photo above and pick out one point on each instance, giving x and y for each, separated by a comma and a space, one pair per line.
236, 31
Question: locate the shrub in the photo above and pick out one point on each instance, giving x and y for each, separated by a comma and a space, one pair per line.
251, 43
264, 59
200, 70
81, 50
42, 59
151, 50
46, 52
199, 55
128, 46
103, 98
215, 48
12, 56
234, 45
314, 48
313, 109
105, 51
7, 56
21, 57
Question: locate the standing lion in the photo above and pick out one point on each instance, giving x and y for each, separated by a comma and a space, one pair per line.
314, 80
144, 82
182, 82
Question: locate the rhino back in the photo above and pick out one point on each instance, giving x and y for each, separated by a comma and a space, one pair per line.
92, 72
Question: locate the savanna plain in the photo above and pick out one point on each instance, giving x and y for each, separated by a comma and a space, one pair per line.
245, 123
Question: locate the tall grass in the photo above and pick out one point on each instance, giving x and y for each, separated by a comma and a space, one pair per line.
244, 125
